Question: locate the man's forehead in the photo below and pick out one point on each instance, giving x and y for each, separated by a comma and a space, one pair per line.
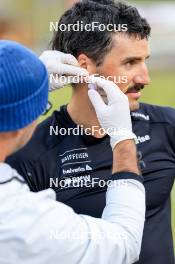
131, 46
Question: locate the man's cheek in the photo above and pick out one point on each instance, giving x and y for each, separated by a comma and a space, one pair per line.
123, 87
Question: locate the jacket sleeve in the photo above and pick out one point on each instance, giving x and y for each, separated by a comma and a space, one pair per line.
46, 231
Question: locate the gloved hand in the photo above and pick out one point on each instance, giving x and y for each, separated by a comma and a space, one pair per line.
113, 117
62, 67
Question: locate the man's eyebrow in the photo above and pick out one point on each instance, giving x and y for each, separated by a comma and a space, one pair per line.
134, 58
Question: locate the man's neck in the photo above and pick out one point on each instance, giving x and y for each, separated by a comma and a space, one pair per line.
2, 156
81, 110
5, 149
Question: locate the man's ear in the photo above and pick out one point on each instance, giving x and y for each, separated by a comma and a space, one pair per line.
86, 63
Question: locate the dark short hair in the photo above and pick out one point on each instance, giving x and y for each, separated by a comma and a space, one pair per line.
96, 44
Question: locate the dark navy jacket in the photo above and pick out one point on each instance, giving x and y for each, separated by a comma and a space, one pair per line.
61, 162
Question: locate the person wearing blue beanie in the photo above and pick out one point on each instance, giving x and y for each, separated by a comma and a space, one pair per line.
34, 228
23, 86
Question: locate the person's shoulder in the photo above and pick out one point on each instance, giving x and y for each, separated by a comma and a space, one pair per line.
156, 113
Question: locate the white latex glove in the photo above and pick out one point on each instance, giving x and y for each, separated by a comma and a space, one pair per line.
62, 67
113, 117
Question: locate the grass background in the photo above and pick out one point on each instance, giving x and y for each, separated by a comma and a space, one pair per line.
160, 92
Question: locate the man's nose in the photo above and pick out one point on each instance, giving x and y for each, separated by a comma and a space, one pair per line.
142, 76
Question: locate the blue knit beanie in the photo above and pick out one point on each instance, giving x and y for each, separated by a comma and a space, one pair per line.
23, 86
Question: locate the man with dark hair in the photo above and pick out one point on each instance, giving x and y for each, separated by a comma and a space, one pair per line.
83, 158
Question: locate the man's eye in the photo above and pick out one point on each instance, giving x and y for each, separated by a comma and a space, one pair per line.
131, 62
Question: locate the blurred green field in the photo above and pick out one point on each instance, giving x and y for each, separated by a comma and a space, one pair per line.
160, 92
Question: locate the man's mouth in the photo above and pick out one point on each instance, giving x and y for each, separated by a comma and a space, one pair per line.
135, 89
